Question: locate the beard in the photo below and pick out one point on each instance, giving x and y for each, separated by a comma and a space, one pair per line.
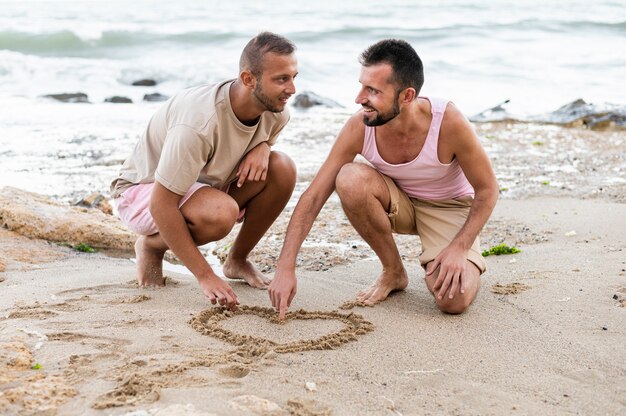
266, 101
383, 118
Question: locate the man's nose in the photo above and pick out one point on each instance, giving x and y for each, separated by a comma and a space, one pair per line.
360, 98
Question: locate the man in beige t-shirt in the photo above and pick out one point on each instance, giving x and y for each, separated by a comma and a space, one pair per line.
205, 162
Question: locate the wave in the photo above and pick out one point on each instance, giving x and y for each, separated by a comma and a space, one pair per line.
67, 42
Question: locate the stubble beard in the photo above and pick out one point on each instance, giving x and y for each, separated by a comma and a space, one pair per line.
265, 100
383, 118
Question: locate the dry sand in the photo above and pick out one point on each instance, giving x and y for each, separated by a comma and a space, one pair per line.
545, 335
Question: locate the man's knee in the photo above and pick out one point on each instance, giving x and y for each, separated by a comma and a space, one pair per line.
351, 179
283, 168
454, 306
213, 222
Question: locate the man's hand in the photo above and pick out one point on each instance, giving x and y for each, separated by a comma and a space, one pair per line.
282, 290
253, 166
451, 263
218, 291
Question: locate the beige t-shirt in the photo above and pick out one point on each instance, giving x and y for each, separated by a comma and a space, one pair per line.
195, 137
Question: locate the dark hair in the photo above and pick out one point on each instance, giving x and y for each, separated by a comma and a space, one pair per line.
255, 50
407, 68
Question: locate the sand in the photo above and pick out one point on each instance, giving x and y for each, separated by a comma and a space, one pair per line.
545, 335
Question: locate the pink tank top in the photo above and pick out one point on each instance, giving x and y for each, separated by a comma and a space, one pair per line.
424, 177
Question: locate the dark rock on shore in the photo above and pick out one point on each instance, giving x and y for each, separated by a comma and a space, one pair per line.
144, 83
309, 99
118, 100
155, 97
496, 113
96, 200
69, 97
578, 113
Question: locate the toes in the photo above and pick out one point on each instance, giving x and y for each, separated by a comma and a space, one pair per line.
371, 302
366, 294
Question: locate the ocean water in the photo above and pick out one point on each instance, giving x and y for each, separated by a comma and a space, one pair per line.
538, 54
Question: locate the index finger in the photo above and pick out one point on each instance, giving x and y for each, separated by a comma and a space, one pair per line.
243, 174
231, 301
283, 308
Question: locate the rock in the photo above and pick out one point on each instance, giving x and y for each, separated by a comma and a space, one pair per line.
309, 99
3, 266
144, 83
580, 113
496, 113
36, 216
96, 200
155, 97
75, 97
118, 100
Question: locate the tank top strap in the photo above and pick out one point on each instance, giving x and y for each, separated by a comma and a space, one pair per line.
437, 109
369, 141
437, 105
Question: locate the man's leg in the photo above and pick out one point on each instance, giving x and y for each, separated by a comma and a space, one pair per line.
438, 222
210, 215
264, 201
365, 198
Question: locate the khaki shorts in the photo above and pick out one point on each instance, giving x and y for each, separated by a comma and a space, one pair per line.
436, 222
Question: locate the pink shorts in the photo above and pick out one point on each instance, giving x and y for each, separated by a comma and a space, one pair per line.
134, 207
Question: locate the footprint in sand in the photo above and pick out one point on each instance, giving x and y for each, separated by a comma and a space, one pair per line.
99, 342
509, 289
234, 371
31, 313
99, 289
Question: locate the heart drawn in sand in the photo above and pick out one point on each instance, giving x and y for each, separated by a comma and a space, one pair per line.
208, 323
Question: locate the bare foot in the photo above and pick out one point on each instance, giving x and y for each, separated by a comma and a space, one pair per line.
386, 283
246, 271
149, 264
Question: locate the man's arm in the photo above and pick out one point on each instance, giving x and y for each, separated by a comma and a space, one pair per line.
348, 144
458, 137
175, 232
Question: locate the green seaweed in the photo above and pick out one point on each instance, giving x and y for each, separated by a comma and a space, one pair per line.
500, 249
84, 248
36, 366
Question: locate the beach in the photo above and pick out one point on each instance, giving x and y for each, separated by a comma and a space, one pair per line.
544, 336
539, 81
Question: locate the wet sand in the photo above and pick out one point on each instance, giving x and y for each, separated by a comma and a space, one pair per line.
544, 336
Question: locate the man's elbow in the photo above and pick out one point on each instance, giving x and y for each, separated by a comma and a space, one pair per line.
488, 193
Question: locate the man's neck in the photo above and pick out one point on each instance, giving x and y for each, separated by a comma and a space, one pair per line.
243, 103
410, 120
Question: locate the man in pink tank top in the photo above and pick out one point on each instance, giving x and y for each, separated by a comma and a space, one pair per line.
428, 175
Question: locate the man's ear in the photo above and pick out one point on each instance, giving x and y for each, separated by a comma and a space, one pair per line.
408, 95
248, 79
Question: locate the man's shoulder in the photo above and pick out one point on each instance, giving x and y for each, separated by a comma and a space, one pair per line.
354, 125
195, 107
453, 118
